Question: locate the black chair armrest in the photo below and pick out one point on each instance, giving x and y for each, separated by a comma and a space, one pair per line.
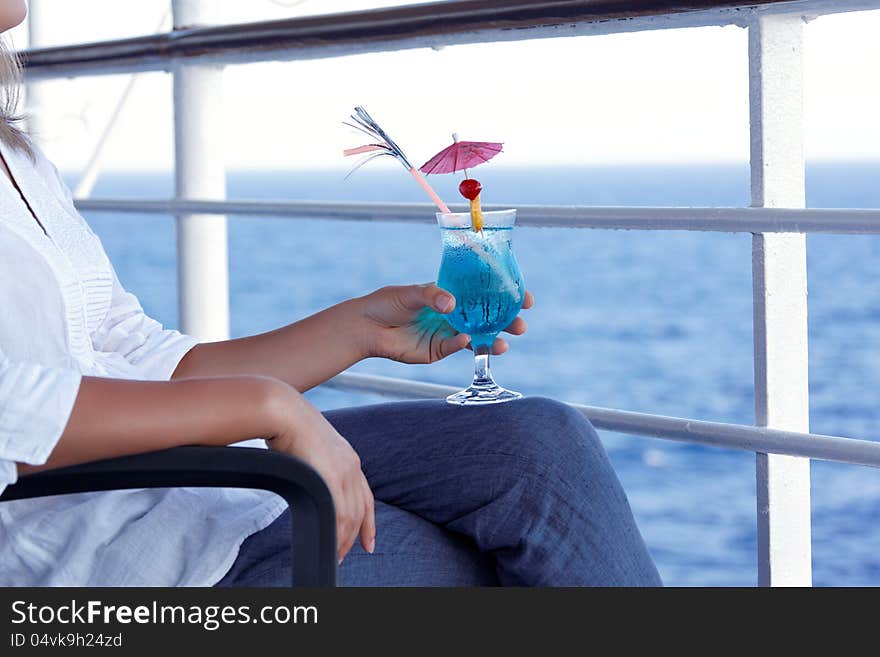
311, 505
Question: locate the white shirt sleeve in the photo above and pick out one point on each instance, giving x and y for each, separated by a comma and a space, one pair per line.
140, 339
126, 329
35, 405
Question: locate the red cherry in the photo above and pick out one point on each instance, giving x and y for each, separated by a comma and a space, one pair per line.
470, 188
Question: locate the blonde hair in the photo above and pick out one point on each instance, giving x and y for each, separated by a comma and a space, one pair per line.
10, 91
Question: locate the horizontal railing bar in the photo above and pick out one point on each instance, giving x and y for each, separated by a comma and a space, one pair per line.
427, 25
725, 220
700, 432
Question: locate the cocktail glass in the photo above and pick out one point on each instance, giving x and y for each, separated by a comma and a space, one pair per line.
480, 270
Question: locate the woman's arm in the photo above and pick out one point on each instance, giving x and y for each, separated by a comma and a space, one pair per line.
401, 322
112, 417
303, 354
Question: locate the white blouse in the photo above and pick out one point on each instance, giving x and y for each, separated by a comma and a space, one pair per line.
64, 315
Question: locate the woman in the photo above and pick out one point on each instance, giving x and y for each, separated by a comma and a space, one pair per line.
528, 499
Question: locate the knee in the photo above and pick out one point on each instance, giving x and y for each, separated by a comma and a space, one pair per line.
553, 437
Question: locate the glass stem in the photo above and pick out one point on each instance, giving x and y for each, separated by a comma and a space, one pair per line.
482, 374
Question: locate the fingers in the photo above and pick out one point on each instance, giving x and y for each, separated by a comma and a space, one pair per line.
353, 504
451, 345
517, 327
438, 299
368, 527
346, 529
416, 297
499, 346
357, 516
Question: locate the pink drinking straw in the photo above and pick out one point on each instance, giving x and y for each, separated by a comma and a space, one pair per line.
363, 149
424, 183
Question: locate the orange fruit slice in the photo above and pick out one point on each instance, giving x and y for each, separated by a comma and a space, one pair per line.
476, 214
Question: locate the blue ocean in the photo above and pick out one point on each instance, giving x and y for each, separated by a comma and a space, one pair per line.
658, 322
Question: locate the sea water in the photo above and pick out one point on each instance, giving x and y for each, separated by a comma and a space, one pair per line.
481, 272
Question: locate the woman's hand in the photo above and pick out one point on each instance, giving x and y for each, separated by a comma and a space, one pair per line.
405, 323
304, 433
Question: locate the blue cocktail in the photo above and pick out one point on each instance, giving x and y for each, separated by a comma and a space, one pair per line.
480, 270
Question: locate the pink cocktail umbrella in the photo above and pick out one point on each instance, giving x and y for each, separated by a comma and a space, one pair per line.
461, 155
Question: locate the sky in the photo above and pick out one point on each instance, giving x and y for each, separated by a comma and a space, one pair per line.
649, 97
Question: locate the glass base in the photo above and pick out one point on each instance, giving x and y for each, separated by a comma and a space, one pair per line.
483, 395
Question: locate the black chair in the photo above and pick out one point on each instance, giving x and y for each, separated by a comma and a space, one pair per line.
311, 506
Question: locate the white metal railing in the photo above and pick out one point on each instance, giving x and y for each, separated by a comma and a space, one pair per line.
700, 432
433, 25
200, 171
844, 221
778, 220
779, 275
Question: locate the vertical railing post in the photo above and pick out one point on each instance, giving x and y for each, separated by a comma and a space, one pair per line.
202, 251
37, 26
779, 269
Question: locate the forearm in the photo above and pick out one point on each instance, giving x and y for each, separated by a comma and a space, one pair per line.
303, 354
113, 417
